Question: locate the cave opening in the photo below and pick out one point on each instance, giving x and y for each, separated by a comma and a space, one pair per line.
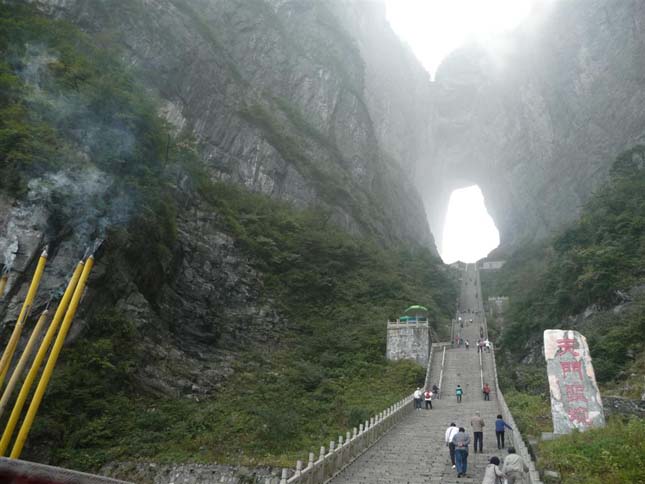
469, 232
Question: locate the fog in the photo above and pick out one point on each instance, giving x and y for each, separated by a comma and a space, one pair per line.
434, 28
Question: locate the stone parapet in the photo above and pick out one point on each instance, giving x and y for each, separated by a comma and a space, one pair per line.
337, 456
408, 341
14, 470
518, 440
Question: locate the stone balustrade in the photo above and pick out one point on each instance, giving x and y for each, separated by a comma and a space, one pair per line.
518, 441
331, 460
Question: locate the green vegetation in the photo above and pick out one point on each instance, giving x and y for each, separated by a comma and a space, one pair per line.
328, 375
595, 263
64, 101
532, 413
68, 104
615, 453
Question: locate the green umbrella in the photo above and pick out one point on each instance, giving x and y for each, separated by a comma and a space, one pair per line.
416, 307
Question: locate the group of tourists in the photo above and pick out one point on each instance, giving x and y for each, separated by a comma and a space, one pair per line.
483, 344
420, 397
458, 440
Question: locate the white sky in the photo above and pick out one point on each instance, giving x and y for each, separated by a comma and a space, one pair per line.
469, 233
434, 28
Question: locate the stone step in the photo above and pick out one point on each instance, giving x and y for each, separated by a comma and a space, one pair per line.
414, 451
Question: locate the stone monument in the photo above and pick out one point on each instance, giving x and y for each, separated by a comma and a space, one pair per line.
575, 398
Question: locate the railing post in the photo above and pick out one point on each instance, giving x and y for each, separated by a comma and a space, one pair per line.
348, 447
310, 469
320, 475
283, 480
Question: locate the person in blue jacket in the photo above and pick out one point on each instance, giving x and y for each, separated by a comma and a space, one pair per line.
500, 426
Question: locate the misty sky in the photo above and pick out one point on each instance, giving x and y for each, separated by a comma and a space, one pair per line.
433, 29
469, 233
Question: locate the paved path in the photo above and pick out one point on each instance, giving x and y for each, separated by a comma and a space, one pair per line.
414, 451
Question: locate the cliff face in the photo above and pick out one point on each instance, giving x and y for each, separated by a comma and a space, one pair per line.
275, 93
320, 104
281, 99
536, 117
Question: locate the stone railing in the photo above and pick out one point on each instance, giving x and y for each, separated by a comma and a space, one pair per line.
338, 455
518, 441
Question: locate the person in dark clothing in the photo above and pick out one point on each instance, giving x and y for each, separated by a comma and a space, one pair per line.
461, 441
500, 426
477, 423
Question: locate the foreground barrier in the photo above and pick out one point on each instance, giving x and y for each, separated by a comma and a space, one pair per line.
15, 471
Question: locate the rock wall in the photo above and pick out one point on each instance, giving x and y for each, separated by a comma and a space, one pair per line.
536, 117
275, 93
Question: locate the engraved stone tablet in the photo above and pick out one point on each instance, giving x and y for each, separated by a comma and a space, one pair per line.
575, 399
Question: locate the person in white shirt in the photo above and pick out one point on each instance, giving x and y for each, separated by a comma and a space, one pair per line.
450, 433
417, 398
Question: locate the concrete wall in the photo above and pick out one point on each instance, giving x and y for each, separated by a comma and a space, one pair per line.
15, 471
408, 342
493, 265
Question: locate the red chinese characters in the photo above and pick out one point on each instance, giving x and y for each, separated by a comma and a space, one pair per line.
566, 345
575, 393
579, 414
571, 367
575, 400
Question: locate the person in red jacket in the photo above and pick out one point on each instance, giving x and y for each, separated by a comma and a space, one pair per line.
427, 396
486, 390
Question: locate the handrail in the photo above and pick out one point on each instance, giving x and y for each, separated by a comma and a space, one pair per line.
518, 441
481, 369
452, 331
338, 455
443, 360
426, 384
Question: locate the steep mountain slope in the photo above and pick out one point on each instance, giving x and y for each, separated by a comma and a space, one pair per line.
220, 324
534, 117
590, 278
274, 93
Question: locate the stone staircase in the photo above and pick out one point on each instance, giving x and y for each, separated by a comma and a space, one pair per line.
414, 452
